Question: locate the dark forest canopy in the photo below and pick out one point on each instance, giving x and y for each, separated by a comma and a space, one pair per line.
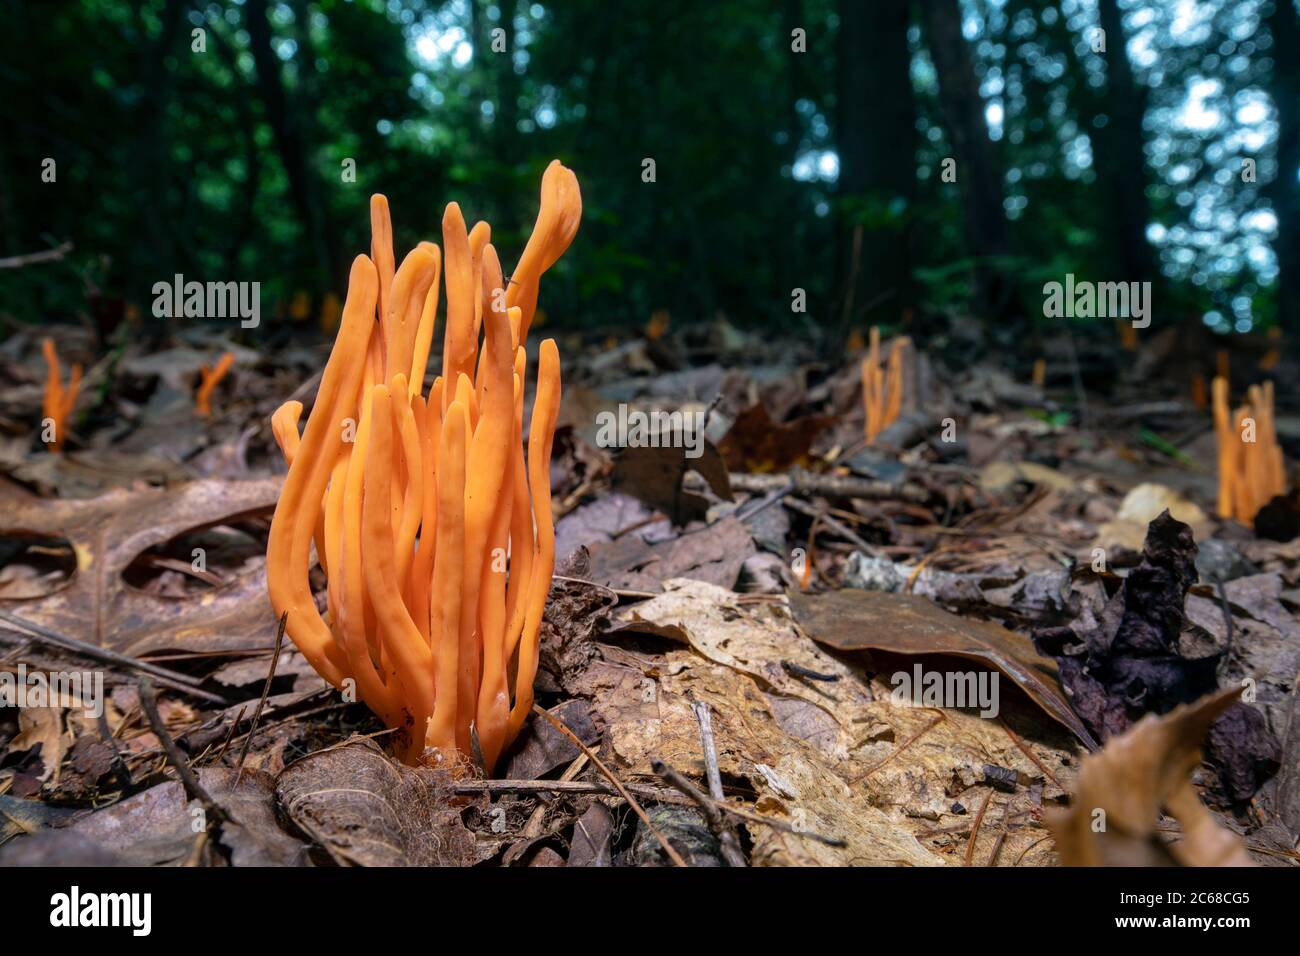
796, 144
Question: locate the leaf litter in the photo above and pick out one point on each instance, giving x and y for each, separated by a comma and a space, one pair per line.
783, 579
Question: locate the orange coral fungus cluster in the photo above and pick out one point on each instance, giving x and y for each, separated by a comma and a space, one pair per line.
58, 402
433, 529
882, 389
210, 378
1251, 468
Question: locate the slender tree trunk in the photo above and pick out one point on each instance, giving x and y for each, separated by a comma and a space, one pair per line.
1283, 191
979, 173
1121, 157
876, 141
289, 126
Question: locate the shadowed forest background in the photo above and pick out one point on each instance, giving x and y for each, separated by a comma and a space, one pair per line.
797, 144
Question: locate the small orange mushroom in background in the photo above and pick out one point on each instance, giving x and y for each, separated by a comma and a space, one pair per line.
1128, 336
211, 378
1200, 397
1040, 372
433, 528
1252, 469
882, 390
1274, 353
58, 402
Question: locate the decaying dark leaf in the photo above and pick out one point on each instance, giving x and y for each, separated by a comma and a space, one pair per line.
655, 475
1120, 790
758, 444
1129, 663
852, 620
158, 827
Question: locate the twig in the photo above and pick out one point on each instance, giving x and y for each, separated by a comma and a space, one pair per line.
1002, 834
169, 678
901, 747
834, 486
609, 774
704, 716
533, 827
975, 828
266, 690
149, 704
834, 524
712, 815
535, 787
36, 258
1227, 614
1024, 749
120, 769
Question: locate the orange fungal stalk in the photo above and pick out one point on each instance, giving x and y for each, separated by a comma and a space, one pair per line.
58, 402
1252, 470
432, 525
882, 389
211, 378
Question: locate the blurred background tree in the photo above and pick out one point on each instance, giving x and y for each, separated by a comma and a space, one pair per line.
795, 144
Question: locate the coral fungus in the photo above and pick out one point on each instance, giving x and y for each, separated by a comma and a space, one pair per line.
433, 529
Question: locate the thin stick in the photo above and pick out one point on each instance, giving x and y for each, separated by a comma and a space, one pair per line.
183, 682
901, 747
834, 486
1024, 749
266, 690
534, 787
975, 828
149, 704
704, 715
609, 774
36, 258
712, 815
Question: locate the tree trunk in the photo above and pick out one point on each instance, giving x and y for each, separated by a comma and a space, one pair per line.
1283, 192
876, 141
289, 127
979, 172
1120, 155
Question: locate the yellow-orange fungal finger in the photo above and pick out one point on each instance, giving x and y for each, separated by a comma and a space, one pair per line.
284, 426
412, 503
557, 223
381, 251
400, 637
465, 395
356, 618
424, 333
210, 379
304, 487
448, 574
546, 409
479, 237
486, 464
521, 523
422, 566
1222, 432
459, 341
410, 289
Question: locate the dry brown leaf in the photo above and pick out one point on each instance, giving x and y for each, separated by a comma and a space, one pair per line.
108, 533
881, 775
852, 620
1121, 789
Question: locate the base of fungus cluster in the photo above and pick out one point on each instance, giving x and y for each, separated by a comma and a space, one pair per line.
433, 528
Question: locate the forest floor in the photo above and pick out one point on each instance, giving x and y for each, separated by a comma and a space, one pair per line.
742, 634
